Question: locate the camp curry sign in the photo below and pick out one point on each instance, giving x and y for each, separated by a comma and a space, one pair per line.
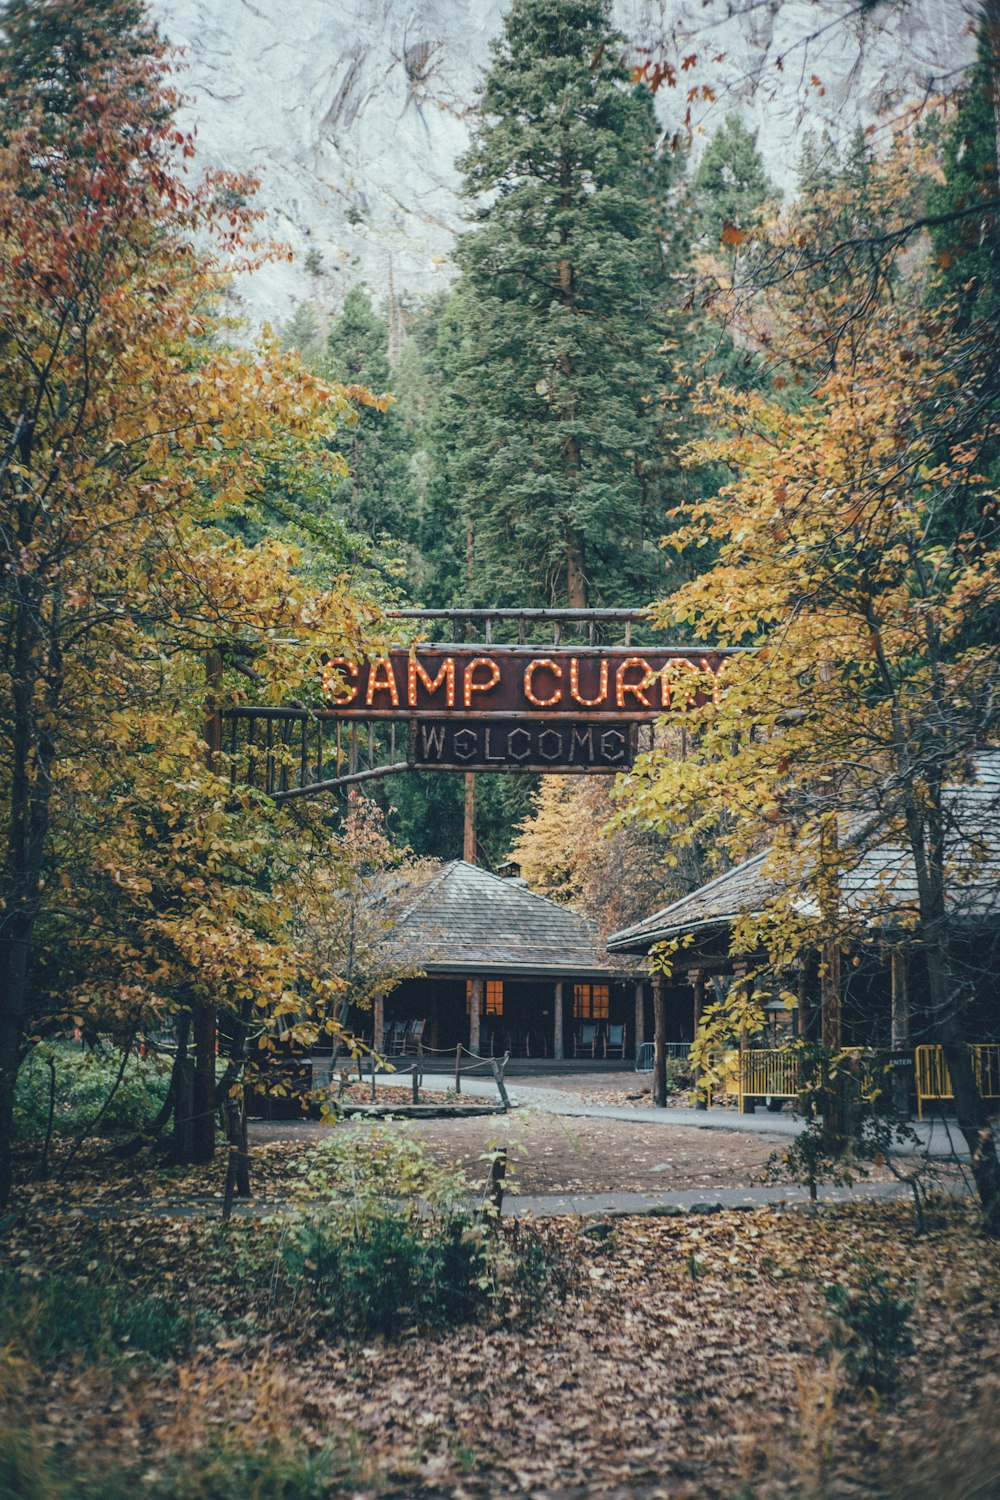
522, 707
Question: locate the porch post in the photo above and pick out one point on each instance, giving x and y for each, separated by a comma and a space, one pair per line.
557, 1022
747, 1104
697, 979
475, 1011
900, 1032
378, 1022
659, 1044
640, 1015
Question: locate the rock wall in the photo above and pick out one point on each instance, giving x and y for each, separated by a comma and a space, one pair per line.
352, 112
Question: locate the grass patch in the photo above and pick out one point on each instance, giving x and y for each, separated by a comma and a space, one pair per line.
232, 1469
46, 1316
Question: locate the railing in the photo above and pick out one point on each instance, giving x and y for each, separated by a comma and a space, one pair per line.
771, 1073
646, 1052
934, 1081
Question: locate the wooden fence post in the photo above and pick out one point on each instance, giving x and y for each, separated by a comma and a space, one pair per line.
498, 1075
498, 1172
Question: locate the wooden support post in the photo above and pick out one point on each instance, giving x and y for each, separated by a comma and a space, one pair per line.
659, 1043
747, 1104
640, 1015
558, 1049
697, 978
475, 1012
494, 1193
378, 1022
498, 1068
900, 1033
469, 820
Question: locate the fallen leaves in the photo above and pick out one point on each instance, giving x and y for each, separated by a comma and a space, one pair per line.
681, 1359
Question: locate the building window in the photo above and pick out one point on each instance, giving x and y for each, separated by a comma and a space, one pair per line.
590, 1002
494, 997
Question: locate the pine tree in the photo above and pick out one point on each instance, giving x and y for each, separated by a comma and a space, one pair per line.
557, 321
730, 185
373, 494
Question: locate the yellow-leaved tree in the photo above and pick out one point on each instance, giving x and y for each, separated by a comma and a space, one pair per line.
856, 549
130, 436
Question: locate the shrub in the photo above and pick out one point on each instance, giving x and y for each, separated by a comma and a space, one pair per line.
869, 1325
373, 1263
391, 1269
83, 1082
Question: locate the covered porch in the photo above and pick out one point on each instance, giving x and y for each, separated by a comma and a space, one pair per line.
506, 971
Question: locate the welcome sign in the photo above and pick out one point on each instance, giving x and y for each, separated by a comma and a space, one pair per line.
522, 683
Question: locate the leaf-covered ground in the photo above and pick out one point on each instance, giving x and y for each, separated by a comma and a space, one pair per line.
669, 1358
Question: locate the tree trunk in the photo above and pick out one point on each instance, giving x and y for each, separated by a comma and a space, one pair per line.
925, 827
181, 1148
469, 821
576, 580
32, 759
204, 1103
659, 1044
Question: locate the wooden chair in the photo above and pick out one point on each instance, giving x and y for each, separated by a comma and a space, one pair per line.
614, 1041
413, 1035
586, 1038
395, 1038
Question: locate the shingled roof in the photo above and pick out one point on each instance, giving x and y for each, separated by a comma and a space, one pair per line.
881, 882
468, 922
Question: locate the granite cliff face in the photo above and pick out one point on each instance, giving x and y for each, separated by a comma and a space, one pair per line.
352, 112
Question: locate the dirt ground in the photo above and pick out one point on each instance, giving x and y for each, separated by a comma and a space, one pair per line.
554, 1153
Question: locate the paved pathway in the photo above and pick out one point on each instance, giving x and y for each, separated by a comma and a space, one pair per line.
940, 1140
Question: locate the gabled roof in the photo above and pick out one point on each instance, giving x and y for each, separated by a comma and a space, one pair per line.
880, 883
717, 904
468, 922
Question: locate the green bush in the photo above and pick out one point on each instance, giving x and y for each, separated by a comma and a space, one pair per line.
83, 1082
391, 1269
869, 1325
47, 1316
374, 1263
679, 1076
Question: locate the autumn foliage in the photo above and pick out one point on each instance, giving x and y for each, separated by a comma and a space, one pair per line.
133, 437
855, 547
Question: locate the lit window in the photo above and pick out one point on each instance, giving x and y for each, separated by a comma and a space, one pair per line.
590, 1002
494, 997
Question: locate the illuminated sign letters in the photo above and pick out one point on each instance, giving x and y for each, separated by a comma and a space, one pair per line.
437, 682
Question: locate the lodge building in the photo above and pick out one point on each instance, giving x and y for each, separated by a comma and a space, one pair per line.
503, 969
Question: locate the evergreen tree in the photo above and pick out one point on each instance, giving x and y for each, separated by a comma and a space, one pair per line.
968, 248
373, 495
730, 185
554, 359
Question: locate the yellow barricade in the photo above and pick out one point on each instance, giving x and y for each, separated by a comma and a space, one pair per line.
768, 1072
934, 1081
